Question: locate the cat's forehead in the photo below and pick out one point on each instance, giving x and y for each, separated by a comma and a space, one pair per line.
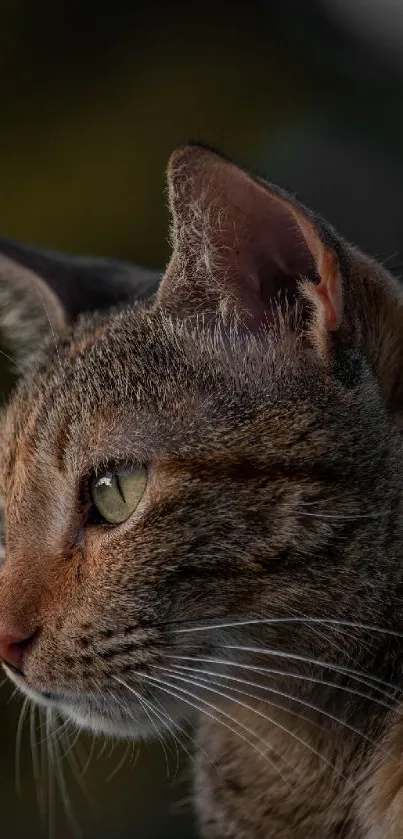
140, 384
148, 357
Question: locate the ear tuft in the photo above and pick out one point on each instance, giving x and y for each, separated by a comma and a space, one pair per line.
326, 299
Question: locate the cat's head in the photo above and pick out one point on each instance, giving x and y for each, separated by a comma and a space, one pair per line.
175, 475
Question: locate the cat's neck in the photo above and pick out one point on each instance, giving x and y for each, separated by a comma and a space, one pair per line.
284, 754
250, 750
343, 729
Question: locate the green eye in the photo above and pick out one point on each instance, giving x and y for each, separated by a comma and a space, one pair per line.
117, 492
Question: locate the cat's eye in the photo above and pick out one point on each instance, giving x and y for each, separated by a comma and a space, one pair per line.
116, 492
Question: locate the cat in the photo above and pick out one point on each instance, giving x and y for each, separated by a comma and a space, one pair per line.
202, 482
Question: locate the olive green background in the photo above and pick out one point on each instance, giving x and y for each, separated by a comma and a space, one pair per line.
93, 98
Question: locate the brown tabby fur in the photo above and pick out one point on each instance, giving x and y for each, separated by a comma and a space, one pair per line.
271, 430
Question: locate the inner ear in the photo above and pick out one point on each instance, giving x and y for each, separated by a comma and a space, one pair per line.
271, 258
242, 244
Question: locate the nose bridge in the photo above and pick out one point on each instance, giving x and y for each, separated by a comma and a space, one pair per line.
36, 580
32, 575
20, 604
21, 596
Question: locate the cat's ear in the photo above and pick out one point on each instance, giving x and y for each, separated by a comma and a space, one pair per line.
43, 292
241, 245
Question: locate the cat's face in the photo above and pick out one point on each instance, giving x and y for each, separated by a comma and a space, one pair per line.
164, 473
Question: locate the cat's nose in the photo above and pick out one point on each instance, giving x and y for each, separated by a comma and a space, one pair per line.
13, 647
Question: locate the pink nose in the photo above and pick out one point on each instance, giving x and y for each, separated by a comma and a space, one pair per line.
13, 648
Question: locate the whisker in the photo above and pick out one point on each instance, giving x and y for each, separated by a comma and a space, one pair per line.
357, 675
102, 749
329, 499
62, 727
145, 706
18, 741
15, 693
89, 757
306, 620
43, 762
70, 744
318, 630
168, 723
162, 722
57, 765
176, 621
50, 778
270, 720
177, 726
35, 760
225, 678
271, 671
45, 736
134, 757
303, 702
171, 690
67, 752
8, 357
336, 517
338, 668
120, 764
292, 619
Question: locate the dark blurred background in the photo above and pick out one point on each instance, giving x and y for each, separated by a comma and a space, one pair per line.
94, 96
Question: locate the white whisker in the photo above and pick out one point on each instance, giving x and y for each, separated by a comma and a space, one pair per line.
271, 671
18, 741
50, 777
289, 697
70, 744
357, 675
168, 723
67, 752
291, 619
146, 708
268, 719
337, 668
84, 770
177, 727
319, 632
35, 759
57, 767
172, 690
8, 357
353, 517
120, 764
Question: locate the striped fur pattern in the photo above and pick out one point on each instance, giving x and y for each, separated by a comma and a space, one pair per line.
257, 586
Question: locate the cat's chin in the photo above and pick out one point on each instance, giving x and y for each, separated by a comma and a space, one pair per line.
85, 714
92, 720
21, 683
